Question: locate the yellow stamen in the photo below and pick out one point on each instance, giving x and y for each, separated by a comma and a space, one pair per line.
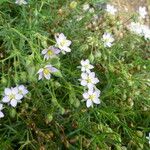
46, 71
50, 52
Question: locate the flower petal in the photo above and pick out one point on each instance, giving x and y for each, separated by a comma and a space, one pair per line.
44, 51
18, 96
96, 101
13, 103
47, 76
7, 91
85, 95
1, 114
40, 76
15, 90
5, 99
83, 82
89, 103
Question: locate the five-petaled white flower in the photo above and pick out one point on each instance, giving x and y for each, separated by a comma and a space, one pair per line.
111, 9
148, 137
62, 43
86, 66
12, 96
46, 72
142, 12
50, 52
89, 80
21, 2
92, 96
107, 39
1, 113
22, 90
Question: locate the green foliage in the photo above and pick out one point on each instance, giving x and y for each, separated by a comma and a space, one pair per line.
53, 116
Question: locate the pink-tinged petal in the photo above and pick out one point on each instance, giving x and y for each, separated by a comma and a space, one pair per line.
85, 95
5, 99
62, 36
89, 103
83, 82
44, 51
1, 107
53, 69
92, 74
13, 102
56, 51
40, 70
48, 66
18, 96
87, 61
96, 101
25, 91
14, 90
90, 91
46, 57
21, 87
97, 92
47, 76
82, 62
1, 114
84, 76
7, 91
40, 76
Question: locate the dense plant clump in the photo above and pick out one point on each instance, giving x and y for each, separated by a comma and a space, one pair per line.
57, 55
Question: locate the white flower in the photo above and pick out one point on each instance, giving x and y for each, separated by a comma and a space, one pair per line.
142, 12
1, 113
46, 72
86, 66
107, 39
86, 7
22, 90
92, 96
140, 29
148, 137
62, 43
12, 96
111, 9
146, 32
50, 52
89, 80
136, 28
21, 2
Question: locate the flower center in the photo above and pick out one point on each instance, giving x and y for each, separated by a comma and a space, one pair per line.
92, 97
46, 71
86, 66
11, 96
89, 80
63, 42
50, 52
20, 92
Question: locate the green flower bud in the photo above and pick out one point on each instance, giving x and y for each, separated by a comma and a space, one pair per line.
12, 113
